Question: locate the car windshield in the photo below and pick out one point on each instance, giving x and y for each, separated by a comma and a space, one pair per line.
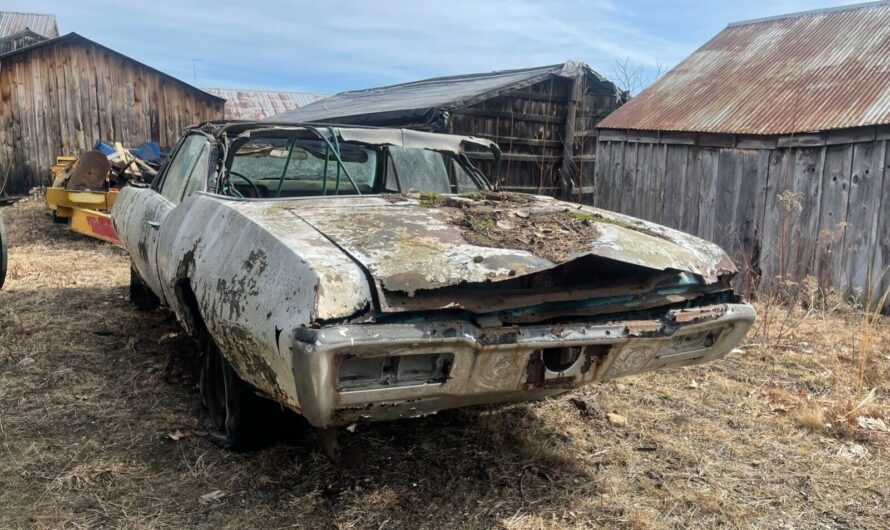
297, 167
308, 167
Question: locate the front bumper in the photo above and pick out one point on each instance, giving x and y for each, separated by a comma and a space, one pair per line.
497, 365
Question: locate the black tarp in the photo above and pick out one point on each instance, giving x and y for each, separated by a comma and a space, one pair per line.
427, 101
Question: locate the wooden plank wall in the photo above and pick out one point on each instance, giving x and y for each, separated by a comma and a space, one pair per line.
529, 126
61, 99
782, 207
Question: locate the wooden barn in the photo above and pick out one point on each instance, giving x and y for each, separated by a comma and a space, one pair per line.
60, 95
542, 118
771, 140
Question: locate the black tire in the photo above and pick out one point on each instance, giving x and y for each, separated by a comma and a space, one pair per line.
140, 294
4, 241
234, 412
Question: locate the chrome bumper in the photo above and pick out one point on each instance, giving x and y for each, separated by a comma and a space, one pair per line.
495, 365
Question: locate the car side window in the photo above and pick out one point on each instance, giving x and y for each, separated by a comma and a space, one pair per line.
198, 174
392, 184
421, 170
186, 171
463, 182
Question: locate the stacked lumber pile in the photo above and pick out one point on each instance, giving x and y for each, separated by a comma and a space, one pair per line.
107, 166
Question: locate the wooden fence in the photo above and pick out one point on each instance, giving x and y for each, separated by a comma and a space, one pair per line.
791, 207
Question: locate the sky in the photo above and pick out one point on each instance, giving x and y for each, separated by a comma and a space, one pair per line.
332, 46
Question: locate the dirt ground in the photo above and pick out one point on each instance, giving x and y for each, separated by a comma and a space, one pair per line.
100, 427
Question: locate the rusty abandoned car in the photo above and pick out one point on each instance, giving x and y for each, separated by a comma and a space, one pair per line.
358, 274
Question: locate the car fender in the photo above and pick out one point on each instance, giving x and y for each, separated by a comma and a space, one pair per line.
254, 282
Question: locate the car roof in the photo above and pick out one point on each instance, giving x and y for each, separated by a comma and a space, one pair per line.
378, 136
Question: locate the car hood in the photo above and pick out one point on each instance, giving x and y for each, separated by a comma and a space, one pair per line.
410, 244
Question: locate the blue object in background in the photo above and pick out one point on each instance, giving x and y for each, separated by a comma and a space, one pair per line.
148, 152
104, 148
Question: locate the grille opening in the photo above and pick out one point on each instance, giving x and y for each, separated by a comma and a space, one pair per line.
362, 373
561, 359
690, 343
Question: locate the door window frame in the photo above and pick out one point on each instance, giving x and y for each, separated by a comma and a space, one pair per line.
159, 182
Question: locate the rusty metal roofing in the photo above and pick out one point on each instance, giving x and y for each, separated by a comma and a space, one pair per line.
818, 70
261, 104
12, 22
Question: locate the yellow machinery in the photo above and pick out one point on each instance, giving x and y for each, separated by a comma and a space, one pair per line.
71, 198
87, 211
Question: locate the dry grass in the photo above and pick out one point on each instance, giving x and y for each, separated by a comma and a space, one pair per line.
776, 437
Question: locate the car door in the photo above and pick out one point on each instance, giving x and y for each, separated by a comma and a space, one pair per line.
183, 175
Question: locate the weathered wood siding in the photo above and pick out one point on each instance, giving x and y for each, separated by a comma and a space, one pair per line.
61, 99
530, 126
781, 206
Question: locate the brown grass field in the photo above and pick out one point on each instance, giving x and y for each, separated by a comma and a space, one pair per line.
789, 433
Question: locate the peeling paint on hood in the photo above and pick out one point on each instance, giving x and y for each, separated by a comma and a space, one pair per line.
407, 246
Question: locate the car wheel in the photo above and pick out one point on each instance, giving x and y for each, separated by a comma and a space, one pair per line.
3, 252
234, 411
140, 294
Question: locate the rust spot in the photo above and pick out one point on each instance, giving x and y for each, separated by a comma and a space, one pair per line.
683, 316
558, 382
506, 335
641, 328
594, 353
535, 370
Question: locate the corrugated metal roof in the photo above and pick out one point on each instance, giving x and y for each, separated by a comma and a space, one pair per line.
12, 22
419, 100
260, 104
819, 70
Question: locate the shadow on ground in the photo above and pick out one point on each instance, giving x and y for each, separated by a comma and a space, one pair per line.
103, 401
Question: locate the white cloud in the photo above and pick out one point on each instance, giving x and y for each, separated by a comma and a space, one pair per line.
346, 44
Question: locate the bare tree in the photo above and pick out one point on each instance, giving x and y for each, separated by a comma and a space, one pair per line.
633, 77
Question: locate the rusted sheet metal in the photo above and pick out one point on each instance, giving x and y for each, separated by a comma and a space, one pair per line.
261, 104
11, 22
819, 70
302, 295
408, 247
489, 369
270, 272
250, 284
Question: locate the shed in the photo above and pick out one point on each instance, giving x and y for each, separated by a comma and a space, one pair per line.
542, 118
61, 95
18, 30
771, 140
12, 22
257, 105
19, 39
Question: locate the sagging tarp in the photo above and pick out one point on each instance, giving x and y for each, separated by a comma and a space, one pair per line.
427, 101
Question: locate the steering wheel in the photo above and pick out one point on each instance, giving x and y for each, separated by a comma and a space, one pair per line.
256, 190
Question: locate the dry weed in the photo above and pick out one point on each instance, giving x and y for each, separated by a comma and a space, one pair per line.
810, 417
90, 390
